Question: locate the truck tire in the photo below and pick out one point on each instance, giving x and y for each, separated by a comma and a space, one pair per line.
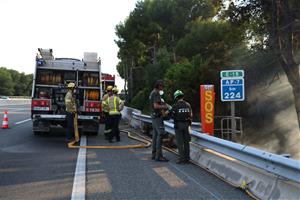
38, 133
94, 133
91, 129
41, 133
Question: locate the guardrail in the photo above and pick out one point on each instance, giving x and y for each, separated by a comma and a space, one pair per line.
137, 115
264, 174
4, 102
279, 165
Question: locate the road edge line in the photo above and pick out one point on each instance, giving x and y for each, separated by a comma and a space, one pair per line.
23, 121
78, 191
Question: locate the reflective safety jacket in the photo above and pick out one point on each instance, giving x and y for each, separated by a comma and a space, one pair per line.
105, 106
114, 104
70, 102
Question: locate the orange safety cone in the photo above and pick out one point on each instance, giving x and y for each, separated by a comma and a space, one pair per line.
5, 121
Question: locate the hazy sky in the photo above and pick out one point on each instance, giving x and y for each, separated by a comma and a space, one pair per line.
69, 27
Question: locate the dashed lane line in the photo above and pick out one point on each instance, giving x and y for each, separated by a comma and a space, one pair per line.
78, 191
23, 121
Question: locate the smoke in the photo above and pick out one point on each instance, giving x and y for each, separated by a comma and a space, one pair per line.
271, 120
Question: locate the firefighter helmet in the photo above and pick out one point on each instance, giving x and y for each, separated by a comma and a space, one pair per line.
109, 88
177, 94
115, 90
71, 85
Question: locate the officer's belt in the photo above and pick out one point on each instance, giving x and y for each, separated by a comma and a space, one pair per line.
181, 121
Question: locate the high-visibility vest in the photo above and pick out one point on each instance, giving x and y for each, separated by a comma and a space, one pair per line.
113, 104
105, 107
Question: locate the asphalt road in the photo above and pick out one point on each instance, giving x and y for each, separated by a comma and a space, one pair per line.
33, 167
41, 167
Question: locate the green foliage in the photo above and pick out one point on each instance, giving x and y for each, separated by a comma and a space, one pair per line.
140, 98
210, 39
7, 86
187, 76
187, 43
147, 39
14, 83
157, 69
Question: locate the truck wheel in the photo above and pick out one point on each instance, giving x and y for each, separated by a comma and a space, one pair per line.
94, 133
41, 133
38, 133
91, 129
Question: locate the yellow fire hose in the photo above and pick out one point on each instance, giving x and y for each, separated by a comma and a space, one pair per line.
73, 145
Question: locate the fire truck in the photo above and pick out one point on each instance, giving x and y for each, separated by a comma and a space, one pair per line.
50, 87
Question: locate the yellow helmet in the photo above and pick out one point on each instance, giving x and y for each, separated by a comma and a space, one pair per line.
109, 88
115, 90
71, 85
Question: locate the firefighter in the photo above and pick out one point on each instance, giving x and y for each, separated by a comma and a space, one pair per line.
70, 103
157, 106
115, 106
105, 109
182, 114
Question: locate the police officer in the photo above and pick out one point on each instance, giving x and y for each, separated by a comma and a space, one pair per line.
70, 103
105, 109
115, 106
182, 114
157, 106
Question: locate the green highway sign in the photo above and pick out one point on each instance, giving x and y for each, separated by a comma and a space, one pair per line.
232, 74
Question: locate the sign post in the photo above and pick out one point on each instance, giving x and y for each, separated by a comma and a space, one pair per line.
232, 89
233, 122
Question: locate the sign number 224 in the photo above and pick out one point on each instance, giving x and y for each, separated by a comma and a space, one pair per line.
232, 95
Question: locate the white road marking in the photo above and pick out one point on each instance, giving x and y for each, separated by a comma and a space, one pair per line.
21, 122
78, 192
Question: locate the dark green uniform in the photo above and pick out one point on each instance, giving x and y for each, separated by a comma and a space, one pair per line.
181, 113
157, 125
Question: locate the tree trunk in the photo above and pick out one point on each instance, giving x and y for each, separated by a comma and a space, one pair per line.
296, 91
282, 38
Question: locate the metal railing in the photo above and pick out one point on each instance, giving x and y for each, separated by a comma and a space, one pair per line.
4, 102
226, 130
278, 165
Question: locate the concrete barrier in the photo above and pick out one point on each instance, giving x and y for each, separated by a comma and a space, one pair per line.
260, 183
262, 174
